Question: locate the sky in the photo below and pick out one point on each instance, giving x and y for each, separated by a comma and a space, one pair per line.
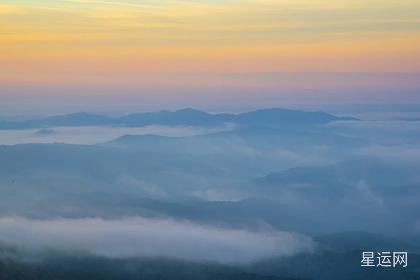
71, 55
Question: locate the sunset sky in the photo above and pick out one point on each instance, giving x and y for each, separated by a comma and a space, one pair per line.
163, 54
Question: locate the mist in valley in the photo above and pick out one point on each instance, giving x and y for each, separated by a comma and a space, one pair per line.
233, 195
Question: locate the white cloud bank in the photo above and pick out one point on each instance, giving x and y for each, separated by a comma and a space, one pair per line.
143, 237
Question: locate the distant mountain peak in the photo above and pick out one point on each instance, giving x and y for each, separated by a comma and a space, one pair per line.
189, 110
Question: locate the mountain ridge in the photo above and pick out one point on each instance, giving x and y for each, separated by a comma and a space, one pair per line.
182, 117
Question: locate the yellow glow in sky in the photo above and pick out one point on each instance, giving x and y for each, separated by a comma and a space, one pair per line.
78, 39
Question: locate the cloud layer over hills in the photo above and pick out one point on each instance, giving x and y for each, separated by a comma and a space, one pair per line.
260, 189
145, 237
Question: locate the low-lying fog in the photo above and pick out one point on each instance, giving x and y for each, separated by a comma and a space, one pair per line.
145, 237
228, 194
96, 134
